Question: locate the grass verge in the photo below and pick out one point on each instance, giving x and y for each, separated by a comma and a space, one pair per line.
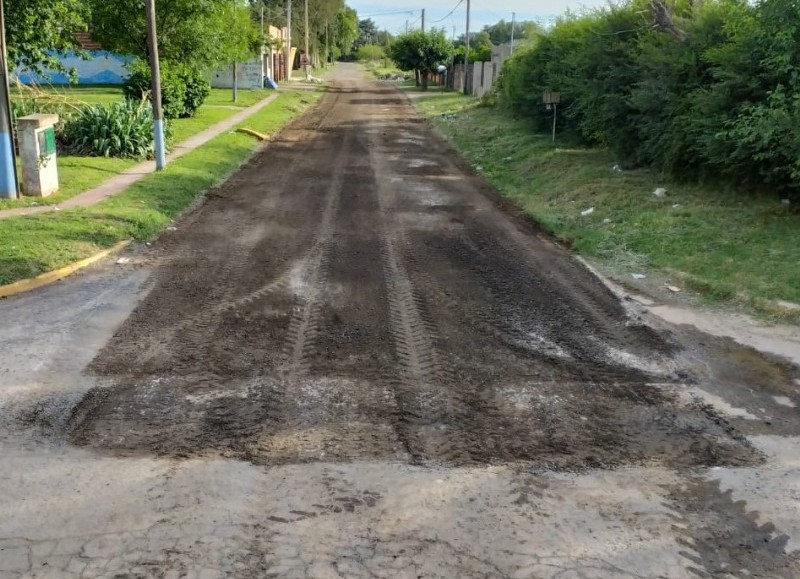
35, 244
731, 246
77, 174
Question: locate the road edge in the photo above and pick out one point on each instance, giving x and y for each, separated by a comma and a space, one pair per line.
25, 285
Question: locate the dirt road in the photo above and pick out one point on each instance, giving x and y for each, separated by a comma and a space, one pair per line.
355, 361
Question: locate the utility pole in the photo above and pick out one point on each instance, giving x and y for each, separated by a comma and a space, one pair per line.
8, 162
305, 31
423, 20
235, 88
155, 86
406, 25
288, 48
466, 54
513, 22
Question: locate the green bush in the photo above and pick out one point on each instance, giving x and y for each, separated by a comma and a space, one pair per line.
696, 90
197, 90
117, 130
369, 52
183, 88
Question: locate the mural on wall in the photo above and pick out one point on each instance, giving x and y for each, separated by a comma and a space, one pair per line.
102, 67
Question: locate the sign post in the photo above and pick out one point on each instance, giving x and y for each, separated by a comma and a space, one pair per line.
552, 100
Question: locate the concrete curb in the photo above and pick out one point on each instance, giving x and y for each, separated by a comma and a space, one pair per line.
49, 277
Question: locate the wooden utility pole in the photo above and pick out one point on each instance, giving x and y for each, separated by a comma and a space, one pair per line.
288, 48
305, 30
155, 86
8, 161
466, 54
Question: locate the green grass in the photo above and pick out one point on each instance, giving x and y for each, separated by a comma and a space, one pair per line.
731, 246
35, 244
244, 98
78, 174
379, 68
77, 94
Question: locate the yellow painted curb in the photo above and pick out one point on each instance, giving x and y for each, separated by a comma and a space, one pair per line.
25, 285
252, 133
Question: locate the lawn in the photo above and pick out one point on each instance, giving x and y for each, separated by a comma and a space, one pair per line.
77, 174
35, 244
731, 246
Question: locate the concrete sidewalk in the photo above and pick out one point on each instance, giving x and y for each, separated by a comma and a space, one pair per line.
130, 176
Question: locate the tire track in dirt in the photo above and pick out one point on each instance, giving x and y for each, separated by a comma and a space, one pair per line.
304, 324
425, 390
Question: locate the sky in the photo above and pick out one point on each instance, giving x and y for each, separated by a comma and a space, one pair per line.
392, 14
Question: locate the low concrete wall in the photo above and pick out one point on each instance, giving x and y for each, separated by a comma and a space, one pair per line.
102, 67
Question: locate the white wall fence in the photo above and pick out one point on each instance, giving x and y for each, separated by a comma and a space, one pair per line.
482, 75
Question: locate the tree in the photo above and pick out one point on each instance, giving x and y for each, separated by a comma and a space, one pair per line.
36, 28
500, 33
421, 52
346, 31
201, 34
367, 33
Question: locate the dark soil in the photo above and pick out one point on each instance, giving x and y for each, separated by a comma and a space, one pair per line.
355, 293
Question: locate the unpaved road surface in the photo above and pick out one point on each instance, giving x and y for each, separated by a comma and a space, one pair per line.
354, 361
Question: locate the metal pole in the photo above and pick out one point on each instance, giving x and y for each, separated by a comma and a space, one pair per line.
423, 20
466, 54
8, 162
288, 48
406, 25
513, 22
155, 79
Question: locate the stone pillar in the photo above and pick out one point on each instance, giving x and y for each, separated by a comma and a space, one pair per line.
37, 154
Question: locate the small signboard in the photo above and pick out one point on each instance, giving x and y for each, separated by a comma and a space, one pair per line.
551, 97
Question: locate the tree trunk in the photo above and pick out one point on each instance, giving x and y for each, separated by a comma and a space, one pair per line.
424, 81
416, 77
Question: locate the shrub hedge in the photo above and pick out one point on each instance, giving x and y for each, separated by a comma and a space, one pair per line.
696, 89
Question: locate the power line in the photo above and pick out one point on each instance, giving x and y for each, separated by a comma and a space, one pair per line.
460, 2
388, 13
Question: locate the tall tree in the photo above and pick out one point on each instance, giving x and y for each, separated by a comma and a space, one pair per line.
201, 33
367, 33
36, 28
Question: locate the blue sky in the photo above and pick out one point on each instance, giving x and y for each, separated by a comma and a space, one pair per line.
483, 11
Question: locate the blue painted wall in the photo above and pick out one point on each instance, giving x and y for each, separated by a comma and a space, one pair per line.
103, 67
